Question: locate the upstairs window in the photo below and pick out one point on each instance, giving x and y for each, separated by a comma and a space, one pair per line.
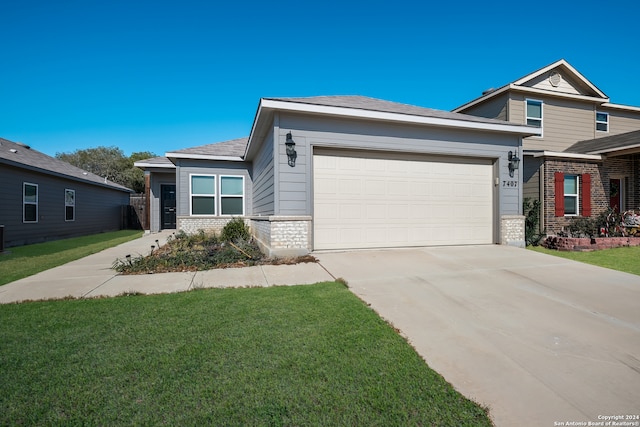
69, 205
534, 113
29, 202
602, 122
203, 195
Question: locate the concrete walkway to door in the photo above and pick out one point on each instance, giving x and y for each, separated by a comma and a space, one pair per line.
538, 339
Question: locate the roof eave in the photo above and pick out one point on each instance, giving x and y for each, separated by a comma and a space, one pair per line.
143, 165
396, 117
203, 157
621, 107
564, 155
481, 99
65, 176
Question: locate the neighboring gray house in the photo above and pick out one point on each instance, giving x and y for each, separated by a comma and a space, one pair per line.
44, 198
342, 172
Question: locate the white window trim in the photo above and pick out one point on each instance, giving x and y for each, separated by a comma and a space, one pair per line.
36, 203
576, 195
526, 116
66, 205
231, 195
600, 121
215, 196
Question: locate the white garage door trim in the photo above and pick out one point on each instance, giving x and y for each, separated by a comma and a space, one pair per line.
380, 200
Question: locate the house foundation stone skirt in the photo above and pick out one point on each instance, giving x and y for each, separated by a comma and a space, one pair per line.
193, 224
512, 230
282, 236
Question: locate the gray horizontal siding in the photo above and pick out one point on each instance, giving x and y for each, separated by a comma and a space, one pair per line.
98, 209
185, 168
310, 133
263, 179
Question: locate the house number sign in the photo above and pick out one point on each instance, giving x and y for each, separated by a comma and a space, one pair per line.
509, 183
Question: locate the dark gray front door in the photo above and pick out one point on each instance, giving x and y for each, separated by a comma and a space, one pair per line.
168, 203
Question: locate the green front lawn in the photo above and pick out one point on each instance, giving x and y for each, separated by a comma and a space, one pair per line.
301, 355
24, 261
622, 259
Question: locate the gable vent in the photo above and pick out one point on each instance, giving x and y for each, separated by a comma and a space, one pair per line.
555, 78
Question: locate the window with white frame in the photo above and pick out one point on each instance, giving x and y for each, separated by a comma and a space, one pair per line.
203, 194
570, 195
69, 205
534, 113
602, 122
231, 195
29, 202
221, 195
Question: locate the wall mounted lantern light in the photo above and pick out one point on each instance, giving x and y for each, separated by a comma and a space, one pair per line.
514, 162
291, 150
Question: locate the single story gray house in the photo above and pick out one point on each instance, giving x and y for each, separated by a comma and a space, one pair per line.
44, 198
347, 172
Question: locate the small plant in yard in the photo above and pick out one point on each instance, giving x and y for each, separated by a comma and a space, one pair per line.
236, 229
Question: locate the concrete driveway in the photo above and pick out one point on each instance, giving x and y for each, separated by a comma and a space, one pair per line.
540, 340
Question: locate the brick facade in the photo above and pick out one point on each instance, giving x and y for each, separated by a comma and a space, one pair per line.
625, 167
599, 194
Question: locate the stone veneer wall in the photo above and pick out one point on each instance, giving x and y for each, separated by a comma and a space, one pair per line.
193, 224
282, 235
512, 230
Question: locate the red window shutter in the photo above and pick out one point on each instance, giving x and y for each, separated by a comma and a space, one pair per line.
559, 181
586, 194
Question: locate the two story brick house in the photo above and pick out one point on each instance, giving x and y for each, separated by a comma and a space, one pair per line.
587, 156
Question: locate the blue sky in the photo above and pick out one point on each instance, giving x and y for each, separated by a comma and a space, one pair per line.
159, 76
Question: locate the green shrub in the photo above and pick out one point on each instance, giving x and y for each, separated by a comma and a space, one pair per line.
582, 227
235, 230
531, 209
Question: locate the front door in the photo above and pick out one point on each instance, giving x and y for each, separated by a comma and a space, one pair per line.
168, 206
615, 194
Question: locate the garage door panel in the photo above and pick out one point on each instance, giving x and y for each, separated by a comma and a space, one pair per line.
368, 202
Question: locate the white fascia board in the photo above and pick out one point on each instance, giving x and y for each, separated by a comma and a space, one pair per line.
153, 165
481, 99
203, 157
253, 127
557, 94
621, 107
397, 117
610, 150
564, 155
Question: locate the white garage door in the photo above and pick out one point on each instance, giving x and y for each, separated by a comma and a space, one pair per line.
382, 201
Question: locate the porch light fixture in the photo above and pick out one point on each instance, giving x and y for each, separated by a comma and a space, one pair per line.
291, 150
514, 163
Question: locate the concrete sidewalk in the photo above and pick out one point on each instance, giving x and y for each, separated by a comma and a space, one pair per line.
92, 276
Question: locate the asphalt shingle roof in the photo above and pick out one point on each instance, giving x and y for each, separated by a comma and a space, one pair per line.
606, 144
21, 155
232, 148
375, 104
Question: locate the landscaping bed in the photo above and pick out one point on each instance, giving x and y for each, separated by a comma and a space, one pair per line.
234, 247
588, 243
